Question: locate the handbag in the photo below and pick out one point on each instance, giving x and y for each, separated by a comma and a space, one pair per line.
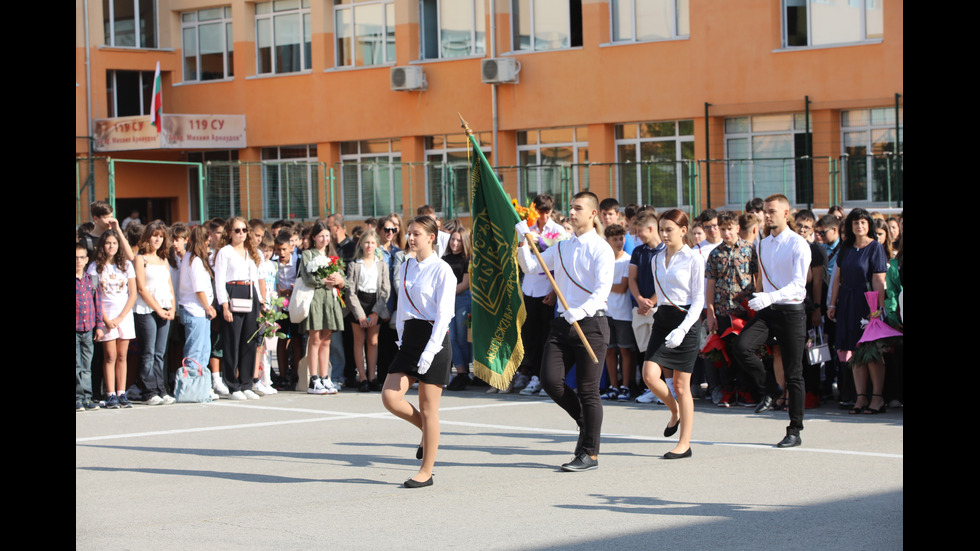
299, 301
818, 351
193, 384
240, 298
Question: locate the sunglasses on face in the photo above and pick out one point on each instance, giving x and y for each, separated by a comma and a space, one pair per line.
239, 230
391, 230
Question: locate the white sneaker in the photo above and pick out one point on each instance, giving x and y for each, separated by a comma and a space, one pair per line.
267, 389
329, 386
237, 395
316, 386
532, 388
250, 395
168, 399
219, 386
259, 388
214, 396
648, 397
154, 401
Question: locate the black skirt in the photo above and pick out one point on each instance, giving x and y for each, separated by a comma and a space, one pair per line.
415, 336
666, 319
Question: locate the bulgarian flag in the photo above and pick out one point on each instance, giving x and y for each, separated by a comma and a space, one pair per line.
156, 104
498, 305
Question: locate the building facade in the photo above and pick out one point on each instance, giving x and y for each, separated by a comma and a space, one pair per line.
354, 106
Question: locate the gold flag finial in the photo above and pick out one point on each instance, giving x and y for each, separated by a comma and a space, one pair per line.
464, 124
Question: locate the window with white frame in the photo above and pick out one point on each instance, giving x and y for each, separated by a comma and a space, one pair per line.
655, 162
647, 20
283, 37
365, 32
128, 92
538, 25
452, 28
290, 182
206, 40
130, 23
872, 170
828, 22
371, 177
447, 172
763, 154
548, 162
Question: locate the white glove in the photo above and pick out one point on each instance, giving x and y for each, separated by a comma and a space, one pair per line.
573, 314
675, 338
760, 301
522, 229
425, 362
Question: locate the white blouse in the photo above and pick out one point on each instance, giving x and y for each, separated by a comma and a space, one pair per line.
230, 266
681, 283
428, 293
194, 278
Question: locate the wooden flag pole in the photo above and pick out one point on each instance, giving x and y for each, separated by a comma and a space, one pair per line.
561, 297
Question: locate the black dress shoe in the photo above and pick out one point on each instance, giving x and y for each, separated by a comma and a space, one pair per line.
790, 441
582, 462
672, 455
765, 404
410, 483
671, 430
418, 452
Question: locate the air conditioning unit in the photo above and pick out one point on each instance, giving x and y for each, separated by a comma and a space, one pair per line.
500, 70
409, 77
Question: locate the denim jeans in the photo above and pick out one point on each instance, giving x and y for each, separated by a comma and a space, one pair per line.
462, 348
197, 337
151, 334
84, 347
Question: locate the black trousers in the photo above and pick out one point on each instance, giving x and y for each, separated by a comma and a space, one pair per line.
563, 349
539, 316
788, 325
238, 357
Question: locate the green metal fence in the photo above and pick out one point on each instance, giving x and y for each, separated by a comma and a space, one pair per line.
304, 190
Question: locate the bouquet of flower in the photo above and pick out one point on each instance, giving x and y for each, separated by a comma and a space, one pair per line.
269, 320
324, 266
528, 213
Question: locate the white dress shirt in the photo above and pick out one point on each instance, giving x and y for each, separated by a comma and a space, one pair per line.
783, 262
230, 266
681, 283
536, 284
428, 293
583, 267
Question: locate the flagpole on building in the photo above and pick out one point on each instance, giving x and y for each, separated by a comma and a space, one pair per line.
534, 249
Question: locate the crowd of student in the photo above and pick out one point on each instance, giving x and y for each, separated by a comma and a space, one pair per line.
194, 295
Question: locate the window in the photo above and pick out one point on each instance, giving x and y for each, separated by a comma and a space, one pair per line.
653, 168
824, 22
873, 173
129, 92
645, 20
547, 159
452, 28
539, 25
130, 23
447, 172
290, 182
222, 188
762, 157
371, 177
283, 37
365, 31
206, 39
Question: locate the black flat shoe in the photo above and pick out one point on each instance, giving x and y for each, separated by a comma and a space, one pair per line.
672, 455
582, 462
790, 441
410, 483
671, 430
418, 452
765, 404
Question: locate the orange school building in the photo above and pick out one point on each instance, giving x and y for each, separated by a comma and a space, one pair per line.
353, 106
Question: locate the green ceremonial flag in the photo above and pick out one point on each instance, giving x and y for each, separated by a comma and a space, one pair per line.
498, 305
